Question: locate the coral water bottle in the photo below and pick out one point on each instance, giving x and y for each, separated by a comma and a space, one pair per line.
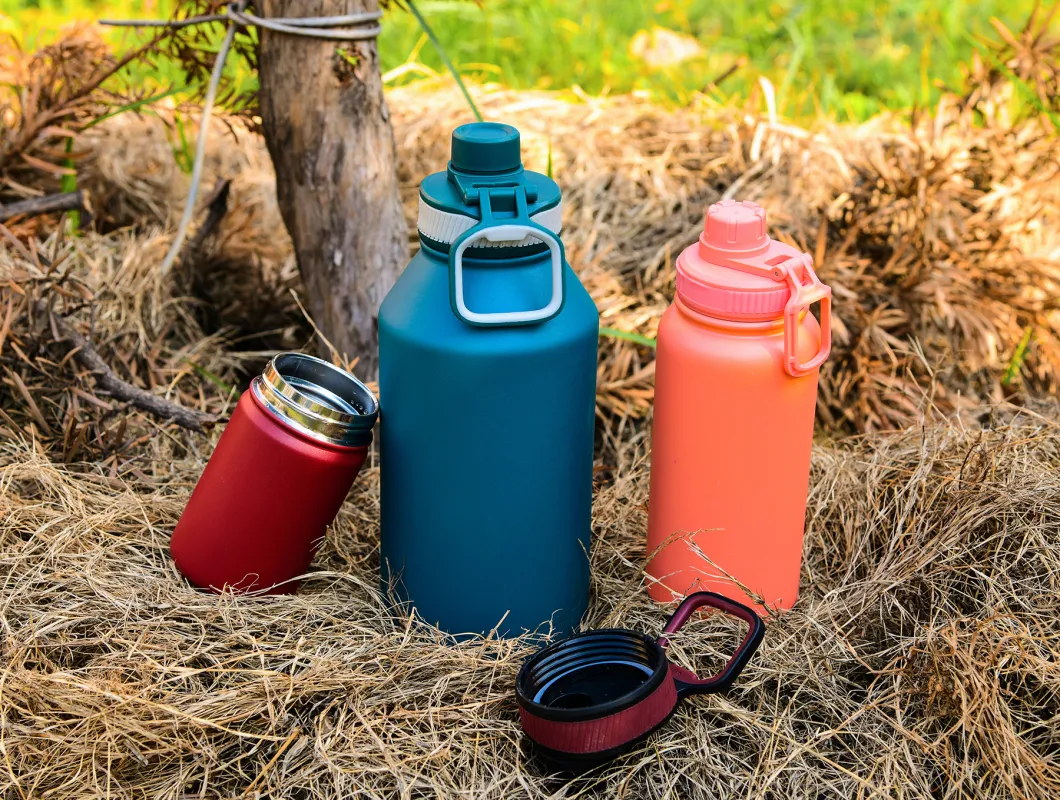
735, 393
487, 351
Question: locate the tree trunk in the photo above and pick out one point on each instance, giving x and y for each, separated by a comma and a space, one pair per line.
328, 131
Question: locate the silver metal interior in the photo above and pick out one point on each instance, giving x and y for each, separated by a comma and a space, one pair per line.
318, 399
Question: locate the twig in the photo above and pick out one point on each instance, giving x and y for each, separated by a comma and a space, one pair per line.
35, 206
739, 64
89, 358
338, 358
32, 126
276, 757
217, 207
34, 409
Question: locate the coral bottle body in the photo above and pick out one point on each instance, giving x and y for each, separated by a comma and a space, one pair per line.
731, 444
738, 360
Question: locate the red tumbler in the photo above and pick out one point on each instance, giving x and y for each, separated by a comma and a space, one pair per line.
280, 472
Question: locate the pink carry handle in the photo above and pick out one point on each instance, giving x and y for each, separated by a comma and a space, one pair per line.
804, 295
687, 683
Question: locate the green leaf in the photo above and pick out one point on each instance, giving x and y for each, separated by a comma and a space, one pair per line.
211, 377
1018, 357
445, 58
68, 183
628, 336
138, 104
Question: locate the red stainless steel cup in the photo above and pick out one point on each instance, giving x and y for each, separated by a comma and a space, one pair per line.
280, 472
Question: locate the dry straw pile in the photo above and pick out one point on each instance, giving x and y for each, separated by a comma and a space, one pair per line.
921, 661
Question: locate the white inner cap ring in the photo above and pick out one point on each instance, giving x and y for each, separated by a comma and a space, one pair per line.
446, 228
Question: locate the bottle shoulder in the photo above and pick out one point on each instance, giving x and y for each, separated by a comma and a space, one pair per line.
419, 301
686, 337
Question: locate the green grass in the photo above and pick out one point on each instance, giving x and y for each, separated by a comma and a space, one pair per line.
847, 59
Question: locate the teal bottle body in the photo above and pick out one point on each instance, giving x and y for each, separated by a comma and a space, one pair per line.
487, 450
486, 441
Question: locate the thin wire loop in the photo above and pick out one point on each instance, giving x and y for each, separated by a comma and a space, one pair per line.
164, 23
318, 27
313, 26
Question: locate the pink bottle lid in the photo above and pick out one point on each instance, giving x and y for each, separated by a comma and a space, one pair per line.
718, 274
736, 272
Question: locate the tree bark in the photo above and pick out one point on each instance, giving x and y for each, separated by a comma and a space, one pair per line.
327, 127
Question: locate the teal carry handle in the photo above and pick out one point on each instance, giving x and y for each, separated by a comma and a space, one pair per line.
513, 230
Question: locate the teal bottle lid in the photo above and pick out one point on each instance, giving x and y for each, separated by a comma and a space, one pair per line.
484, 156
486, 148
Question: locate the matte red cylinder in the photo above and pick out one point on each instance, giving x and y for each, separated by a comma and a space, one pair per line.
263, 503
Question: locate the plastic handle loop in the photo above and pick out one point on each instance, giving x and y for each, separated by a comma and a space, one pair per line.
505, 231
803, 295
687, 683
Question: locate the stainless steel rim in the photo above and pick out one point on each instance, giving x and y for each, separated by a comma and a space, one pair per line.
317, 399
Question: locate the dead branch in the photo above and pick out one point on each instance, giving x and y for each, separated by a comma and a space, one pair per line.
89, 358
35, 206
217, 207
74, 101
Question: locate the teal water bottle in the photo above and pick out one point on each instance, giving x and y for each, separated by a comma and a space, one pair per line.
487, 378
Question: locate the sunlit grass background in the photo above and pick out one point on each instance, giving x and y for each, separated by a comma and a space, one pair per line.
848, 59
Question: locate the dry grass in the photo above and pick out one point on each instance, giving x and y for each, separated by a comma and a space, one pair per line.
938, 237
921, 660
939, 241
